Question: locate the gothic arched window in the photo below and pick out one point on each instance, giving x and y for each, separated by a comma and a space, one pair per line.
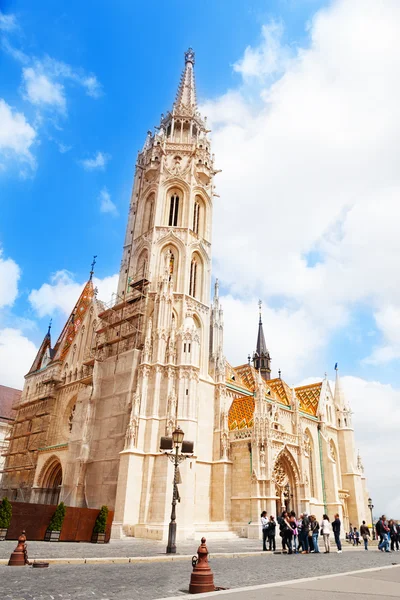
196, 217
142, 266
173, 211
193, 278
148, 214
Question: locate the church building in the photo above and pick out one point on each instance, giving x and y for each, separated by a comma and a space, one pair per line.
120, 376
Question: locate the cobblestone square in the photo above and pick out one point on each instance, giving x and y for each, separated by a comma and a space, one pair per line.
162, 580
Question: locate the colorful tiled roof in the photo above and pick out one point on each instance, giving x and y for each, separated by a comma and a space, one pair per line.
308, 396
241, 413
248, 375
73, 324
281, 390
233, 376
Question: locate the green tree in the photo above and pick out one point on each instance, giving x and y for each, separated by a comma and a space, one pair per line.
58, 518
5, 513
100, 524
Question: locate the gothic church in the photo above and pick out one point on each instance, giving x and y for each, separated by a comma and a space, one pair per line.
120, 376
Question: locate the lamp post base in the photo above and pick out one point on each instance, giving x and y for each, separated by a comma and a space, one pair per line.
171, 547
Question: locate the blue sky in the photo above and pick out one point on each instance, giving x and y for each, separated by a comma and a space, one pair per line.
304, 109
50, 218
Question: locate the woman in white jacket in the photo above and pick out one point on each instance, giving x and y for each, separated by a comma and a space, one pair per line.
326, 530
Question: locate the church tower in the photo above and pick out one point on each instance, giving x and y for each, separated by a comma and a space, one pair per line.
261, 357
167, 252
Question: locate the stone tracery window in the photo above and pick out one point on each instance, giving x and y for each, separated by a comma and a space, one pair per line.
193, 278
196, 217
173, 211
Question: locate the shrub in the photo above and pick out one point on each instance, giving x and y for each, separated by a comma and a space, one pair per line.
58, 518
100, 524
5, 513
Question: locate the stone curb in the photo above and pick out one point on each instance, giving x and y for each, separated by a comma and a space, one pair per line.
145, 559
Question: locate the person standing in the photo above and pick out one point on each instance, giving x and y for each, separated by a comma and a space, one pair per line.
336, 524
293, 524
356, 537
384, 535
265, 526
394, 536
304, 533
326, 531
271, 534
364, 531
315, 531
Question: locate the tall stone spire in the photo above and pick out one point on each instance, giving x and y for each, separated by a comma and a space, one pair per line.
339, 398
261, 357
186, 95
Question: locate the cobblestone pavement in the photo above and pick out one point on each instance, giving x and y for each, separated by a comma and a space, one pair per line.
130, 547
162, 580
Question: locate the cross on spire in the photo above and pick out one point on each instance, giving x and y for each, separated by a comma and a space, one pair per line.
92, 267
50, 322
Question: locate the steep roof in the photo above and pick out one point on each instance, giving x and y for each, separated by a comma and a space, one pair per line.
248, 375
241, 412
233, 376
308, 396
74, 322
8, 397
44, 347
281, 390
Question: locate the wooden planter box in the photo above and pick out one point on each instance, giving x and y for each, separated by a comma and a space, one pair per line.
52, 536
3, 533
98, 538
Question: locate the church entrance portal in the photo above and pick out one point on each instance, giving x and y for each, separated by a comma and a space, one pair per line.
51, 484
285, 484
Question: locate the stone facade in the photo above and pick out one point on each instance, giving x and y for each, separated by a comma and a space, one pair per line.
121, 376
8, 398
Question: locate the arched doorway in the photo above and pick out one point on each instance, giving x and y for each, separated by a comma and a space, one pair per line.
51, 482
285, 476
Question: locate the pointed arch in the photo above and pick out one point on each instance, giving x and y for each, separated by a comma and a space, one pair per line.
142, 265
310, 450
287, 478
148, 212
50, 481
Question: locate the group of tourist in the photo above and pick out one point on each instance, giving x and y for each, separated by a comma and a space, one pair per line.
388, 532
300, 535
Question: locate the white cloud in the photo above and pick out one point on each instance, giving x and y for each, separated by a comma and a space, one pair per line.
7, 22
41, 91
267, 59
98, 162
106, 204
93, 86
9, 276
308, 148
293, 338
62, 293
63, 148
16, 135
376, 420
388, 322
17, 354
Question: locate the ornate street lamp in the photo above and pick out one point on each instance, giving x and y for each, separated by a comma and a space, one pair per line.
371, 506
171, 447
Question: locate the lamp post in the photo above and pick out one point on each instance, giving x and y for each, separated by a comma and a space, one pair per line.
174, 444
371, 506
